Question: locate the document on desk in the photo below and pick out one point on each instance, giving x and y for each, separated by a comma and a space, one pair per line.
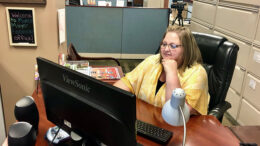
86, 71
95, 72
80, 66
105, 73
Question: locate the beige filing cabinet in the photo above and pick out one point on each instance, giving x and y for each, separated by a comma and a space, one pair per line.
239, 22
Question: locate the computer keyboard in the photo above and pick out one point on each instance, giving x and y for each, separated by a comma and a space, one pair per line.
153, 133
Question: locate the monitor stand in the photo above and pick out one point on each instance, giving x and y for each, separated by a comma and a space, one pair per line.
89, 141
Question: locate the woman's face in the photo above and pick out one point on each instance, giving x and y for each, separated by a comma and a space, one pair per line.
171, 47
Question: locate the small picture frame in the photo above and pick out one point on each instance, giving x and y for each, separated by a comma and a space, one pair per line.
21, 26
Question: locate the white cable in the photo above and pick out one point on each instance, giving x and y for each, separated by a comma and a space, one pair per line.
184, 129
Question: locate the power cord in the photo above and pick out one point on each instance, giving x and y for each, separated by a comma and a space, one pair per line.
184, 129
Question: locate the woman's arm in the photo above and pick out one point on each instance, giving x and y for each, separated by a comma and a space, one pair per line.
172, 81
171, 77
120, 84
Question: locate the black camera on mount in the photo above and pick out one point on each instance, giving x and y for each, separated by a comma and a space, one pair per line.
179, 5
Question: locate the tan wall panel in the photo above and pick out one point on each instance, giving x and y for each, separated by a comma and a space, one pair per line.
237, 21
252, 91
17, 63
155, 3
199, 28
204, 12
248, 115
254, 61
234, 100
244, 49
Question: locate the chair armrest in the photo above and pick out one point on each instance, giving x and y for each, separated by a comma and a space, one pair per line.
219, 110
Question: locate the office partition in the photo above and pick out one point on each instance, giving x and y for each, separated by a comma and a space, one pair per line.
115, 30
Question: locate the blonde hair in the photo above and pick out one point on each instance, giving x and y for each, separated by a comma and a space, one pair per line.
191, 51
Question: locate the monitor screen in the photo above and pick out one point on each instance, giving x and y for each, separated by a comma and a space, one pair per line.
89, 107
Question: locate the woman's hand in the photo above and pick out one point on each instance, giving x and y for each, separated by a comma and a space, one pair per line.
171, 73
169, 65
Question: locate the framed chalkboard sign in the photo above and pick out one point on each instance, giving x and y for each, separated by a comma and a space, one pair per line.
21, 26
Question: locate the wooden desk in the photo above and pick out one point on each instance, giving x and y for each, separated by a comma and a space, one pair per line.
201, 130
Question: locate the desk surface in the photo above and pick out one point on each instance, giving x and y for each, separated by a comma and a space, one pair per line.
201, 130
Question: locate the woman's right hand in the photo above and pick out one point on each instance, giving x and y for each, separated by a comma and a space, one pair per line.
170, 65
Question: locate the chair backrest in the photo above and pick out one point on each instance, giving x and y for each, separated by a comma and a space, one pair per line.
219, 59
73, 55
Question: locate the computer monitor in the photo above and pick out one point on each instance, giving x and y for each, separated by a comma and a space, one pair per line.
89, 107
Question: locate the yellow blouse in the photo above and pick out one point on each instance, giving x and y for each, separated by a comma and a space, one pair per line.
142, 82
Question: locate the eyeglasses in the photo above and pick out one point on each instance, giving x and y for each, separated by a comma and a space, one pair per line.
171, 46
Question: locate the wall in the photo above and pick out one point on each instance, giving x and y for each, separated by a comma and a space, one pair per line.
238, 21
153, 3
17, 63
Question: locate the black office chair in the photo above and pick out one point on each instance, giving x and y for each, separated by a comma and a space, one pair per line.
219, 59
74, 56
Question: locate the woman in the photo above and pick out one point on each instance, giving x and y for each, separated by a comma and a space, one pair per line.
177, 66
